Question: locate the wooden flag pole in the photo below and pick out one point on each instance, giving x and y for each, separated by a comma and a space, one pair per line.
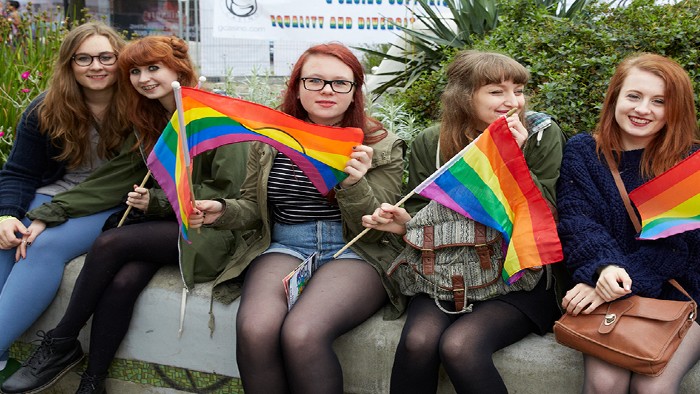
360, 235
128, 209
403, 200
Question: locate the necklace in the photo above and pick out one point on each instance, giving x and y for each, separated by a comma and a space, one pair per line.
336, 124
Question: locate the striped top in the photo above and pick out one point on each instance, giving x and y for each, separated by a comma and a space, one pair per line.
292, 196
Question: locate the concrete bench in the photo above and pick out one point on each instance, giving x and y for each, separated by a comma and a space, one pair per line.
153, 359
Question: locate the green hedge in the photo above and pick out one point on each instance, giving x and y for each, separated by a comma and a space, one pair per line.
571, 61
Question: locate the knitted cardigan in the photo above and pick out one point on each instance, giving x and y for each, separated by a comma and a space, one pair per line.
596, 231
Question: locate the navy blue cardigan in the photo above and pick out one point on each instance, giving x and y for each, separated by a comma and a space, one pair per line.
596, 231
30, 165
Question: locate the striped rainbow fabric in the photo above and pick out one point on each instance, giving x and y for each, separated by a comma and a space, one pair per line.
212, 120
489, 181
670, 203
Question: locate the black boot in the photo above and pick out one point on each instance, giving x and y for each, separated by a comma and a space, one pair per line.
51, 360
92, 384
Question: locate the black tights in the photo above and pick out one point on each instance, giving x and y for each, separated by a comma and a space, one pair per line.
117, 268
279, 352
463, 343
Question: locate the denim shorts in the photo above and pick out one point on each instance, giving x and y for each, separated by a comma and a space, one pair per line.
303, 239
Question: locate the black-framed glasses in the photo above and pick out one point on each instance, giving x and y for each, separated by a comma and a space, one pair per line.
105, 58
337, 85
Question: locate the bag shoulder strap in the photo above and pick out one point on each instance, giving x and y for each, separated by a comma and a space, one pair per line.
623, 192
633, 217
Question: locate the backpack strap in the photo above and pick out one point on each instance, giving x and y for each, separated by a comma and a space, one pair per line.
428, 250
482, 249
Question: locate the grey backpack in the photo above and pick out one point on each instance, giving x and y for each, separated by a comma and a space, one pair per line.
453, 258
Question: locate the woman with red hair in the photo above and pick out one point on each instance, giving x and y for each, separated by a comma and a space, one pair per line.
280, 351
647, 125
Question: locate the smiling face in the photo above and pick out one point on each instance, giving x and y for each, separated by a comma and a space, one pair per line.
494, 100
96, 77
325, 106
640, 109
155, 82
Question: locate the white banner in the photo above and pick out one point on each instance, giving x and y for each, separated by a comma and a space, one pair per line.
348, 21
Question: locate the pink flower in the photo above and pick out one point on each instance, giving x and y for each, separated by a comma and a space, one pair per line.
25, 90
2, 133
25, 75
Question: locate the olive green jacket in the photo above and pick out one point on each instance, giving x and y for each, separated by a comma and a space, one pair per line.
215, 173
382, 183
543, 159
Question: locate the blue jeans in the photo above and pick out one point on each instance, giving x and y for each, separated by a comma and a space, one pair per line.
29, 286
303, 239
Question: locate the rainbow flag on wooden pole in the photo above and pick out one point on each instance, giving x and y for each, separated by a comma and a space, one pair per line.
670, 203
209, 120
489, 182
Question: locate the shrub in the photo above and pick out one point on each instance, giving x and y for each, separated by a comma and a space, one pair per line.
571, 61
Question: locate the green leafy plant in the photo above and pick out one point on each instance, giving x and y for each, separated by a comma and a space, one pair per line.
27, 59
572, 60
422, 49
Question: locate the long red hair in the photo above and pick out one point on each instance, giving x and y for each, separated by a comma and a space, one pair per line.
149, 117
673, 142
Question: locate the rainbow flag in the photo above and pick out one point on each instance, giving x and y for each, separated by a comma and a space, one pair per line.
670, 203
212, 120
489, 182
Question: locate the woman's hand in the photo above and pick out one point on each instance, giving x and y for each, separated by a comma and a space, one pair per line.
388, 218
613, 283
139, 198
582, 298
8, 230
517, 129
36, 228
205, 212
358, 165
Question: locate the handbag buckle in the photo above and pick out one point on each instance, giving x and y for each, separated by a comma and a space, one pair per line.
610, 319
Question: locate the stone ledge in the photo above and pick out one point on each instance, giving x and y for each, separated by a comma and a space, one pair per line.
531, 366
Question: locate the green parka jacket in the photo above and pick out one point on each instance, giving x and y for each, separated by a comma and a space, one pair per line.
216, 173
382, 183
543, 153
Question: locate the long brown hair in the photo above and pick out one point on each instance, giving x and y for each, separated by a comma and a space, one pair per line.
149, 117
466, 74
355, 115
674, 140
65, 116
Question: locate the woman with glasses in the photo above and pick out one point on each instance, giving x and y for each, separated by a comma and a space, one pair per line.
62, 138
123, 260
279, 350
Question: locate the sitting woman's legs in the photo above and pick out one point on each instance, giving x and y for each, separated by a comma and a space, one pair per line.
683, 360
33, 282
467, 346
417, 361
259, 322
340, 296
139, 253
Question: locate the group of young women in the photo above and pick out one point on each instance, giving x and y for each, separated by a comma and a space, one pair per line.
81, 147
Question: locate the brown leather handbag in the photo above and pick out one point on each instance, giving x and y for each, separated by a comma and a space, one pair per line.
636, 333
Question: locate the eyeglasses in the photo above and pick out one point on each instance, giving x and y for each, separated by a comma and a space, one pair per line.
338, 85
105, 58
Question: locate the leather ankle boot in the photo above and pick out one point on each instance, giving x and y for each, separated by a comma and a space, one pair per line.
92, 384
49, 362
